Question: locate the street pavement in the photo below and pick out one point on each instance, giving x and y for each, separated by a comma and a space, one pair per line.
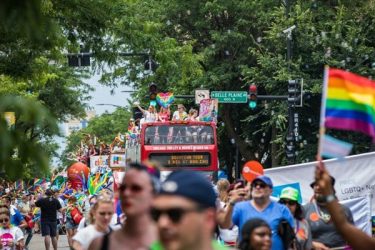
37, 243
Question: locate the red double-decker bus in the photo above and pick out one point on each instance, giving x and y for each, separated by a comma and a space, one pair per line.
176, 145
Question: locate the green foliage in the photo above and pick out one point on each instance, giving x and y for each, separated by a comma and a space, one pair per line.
226, 45
105, 127
18, 152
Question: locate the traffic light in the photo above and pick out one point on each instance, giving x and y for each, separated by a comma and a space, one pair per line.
153, 91
81, 59
150, 64
295, 92
253, 91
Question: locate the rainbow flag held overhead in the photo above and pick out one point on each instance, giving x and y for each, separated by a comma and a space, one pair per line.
349, 102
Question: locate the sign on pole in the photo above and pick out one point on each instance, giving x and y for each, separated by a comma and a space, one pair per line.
230, 96
201, 94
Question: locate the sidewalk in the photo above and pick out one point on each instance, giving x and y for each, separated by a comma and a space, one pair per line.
37, 243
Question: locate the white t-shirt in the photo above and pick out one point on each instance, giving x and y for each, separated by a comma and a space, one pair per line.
12, 234
86, 235
150, 117
179, 117
230, 235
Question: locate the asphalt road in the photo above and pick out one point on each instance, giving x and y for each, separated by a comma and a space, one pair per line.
37, 243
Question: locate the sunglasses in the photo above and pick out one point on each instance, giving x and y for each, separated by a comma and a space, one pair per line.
174, 214
132, 188
4, 220
260, 184
288, 202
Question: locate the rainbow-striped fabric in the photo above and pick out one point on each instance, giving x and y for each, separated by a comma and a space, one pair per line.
350, 102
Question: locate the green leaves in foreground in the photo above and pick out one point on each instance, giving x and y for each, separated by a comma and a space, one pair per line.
20, 146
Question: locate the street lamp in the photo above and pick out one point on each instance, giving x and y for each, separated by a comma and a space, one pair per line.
108, 104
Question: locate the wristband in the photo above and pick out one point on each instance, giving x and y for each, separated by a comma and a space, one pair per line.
328, 198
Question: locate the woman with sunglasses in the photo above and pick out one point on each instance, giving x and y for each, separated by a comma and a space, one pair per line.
256, 235
101, 214
289, 197
11, 236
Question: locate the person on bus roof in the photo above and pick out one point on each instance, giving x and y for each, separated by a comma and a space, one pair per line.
179, 115
150, 115
163, 130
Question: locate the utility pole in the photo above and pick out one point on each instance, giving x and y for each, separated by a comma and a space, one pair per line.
290, 139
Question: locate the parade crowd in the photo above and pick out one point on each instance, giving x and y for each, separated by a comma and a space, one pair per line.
185, 211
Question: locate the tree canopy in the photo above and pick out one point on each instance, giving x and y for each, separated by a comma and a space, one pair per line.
216, 45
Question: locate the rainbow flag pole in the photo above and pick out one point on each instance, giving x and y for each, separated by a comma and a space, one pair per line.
348, 102
322, 129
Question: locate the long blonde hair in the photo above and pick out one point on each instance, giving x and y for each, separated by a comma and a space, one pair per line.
222, 188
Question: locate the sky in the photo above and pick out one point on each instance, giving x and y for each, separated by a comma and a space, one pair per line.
101, 95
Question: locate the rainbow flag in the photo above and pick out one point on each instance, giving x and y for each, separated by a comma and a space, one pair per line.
19, 185
349, 102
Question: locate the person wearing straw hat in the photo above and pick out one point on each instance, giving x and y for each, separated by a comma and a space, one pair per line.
324, 233
289, 197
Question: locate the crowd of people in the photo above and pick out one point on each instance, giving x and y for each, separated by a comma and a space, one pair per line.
185, 211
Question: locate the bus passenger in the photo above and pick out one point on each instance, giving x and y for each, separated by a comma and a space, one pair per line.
192, 131
150, 115
179, 115
164, 115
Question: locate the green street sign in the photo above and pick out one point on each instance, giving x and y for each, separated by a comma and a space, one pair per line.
230, 96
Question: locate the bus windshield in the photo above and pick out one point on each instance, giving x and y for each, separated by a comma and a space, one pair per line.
179, 134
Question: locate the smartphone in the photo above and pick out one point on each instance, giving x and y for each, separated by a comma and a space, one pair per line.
241, 185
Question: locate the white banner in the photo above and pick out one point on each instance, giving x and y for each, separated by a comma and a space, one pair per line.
354, 178
117, 160
99, 163
361, 210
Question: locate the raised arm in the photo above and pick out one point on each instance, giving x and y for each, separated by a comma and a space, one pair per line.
355, 237
140, 108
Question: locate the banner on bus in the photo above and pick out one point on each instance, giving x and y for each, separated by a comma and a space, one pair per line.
354, 177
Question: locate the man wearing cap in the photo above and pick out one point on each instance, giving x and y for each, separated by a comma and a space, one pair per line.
260, 206
185, 213
324, 233
49, 206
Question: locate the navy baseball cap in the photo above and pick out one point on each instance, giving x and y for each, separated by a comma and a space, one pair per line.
264, 179
190, 185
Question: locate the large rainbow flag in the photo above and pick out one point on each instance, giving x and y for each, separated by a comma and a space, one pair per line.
349, 102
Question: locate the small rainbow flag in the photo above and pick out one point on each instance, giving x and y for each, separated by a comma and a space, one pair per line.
19, 185
349, 102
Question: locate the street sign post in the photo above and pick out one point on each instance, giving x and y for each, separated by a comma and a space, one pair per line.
230, 96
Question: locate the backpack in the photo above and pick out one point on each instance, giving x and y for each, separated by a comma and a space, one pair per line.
76, 215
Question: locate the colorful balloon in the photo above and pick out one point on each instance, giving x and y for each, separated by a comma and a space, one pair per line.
78, 174
251, 170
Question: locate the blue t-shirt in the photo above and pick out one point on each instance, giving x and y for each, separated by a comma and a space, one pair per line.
15, 217
272, 214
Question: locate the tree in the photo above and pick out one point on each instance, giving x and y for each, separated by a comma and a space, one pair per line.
105, 127
34, 35
226, 45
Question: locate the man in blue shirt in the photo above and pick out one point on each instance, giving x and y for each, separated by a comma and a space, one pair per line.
260, 206
16, 217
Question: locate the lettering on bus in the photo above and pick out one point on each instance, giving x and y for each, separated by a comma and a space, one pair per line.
180, 147
182, 160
